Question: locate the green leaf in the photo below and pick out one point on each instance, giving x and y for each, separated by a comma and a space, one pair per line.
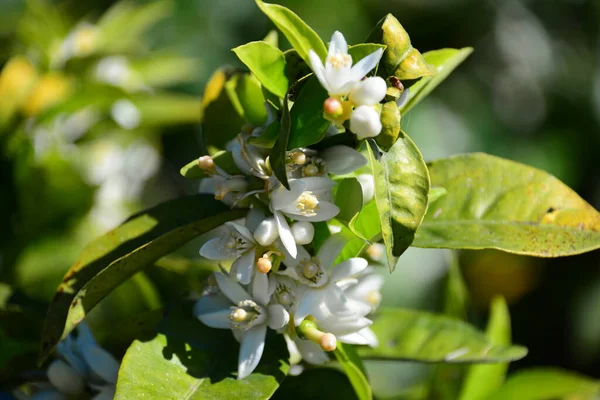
267, 62
424, 337
221, 120
223, 159
268, 137
348, 198
249, 95
390, 122
547, 384
352, 366
401, 189
365, 229
111, 259
295, 67
316, 383
360, 51
279, 155
300, 35
435, 193
445, 61
188, 360
456, 296
482, 380
307, 123
500, 204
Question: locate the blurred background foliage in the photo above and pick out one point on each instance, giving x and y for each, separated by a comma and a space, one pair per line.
99, 108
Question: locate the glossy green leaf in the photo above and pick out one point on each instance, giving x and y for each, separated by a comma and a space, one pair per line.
249, 96
401, 189
307, 123
279, 155
299, 34
496, 203
111, 259
483, 380
445, 61
364, 230
268, 137
187, 360
348, 198
352, 366
222, 159
267, 62
547, 384
220, 120
295, 67
424, 337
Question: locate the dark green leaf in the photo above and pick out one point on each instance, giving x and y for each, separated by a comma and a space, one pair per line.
279, 155
547, 384
348, 198
496, 203
445, 61
295, 67
316, 383
187, 360
401, 189
424, 337
300, 35
307, 123
353, 368
267, 62
483, 380
111, 259
268, 137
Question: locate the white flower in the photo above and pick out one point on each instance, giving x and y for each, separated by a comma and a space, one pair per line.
364, 122
303, 232
307, 200
249, 159
338, 76
248, 318
85, 364
333, 311
228, 189
365, 289
368, 92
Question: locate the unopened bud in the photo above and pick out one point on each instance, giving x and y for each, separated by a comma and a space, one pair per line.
328, 342
298, 157
333, 107
263, 264
374, 298
374, 251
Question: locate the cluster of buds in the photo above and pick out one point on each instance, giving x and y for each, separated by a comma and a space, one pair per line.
277, 279
353, 97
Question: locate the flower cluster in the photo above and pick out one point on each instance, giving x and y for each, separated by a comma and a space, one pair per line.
83, 367
352, 96
278, 278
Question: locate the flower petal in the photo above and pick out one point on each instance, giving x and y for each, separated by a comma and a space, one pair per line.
365, 286
253, 218
65, 378
342, 160
309, 304
214, 250
278, 316
231, 289
348, 268
318, 184
338, 44
331, 249
325, 212
266, 232
211, 303
106, 393
317, 66
260, 288
216, 319
48, 395
368, 92
344, 325
251, 350
369, 335
311, 352
241, 269
353, 338
281, 197
245, 232
102, 363
364, 66
285, 234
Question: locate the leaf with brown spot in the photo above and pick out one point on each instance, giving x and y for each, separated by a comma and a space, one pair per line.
113, 258
495, 203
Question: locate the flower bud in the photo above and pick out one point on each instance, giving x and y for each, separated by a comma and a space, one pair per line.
206, 163
303, 232
64, 378
333, 107
367, 184
368, 92
266, 232
298, 157
364, 122
310, 170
